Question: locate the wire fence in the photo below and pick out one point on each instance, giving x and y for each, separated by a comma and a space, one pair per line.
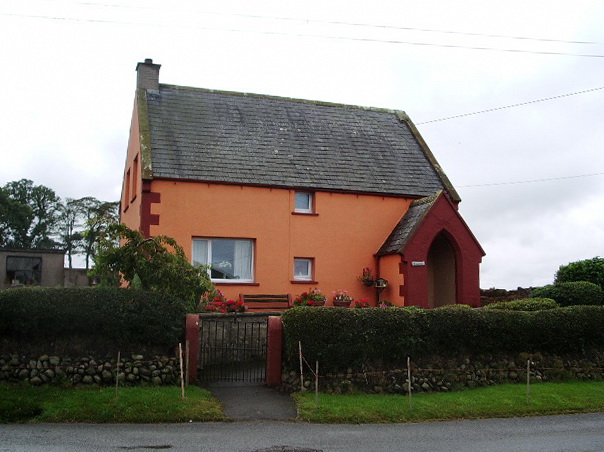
411, 376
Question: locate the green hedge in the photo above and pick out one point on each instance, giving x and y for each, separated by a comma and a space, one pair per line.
571, 293
525, 304
591, 270
120, 317
341, 338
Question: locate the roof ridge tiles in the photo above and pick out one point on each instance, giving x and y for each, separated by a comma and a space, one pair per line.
396, 112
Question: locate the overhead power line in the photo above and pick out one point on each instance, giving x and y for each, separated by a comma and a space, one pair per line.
521, 104
316, 36
353, 24
530, 181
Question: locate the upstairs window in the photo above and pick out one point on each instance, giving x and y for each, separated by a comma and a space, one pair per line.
304, 202
127, 192
24, 270
134, 178
229, 260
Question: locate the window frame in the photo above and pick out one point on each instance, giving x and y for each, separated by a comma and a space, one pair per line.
209, 241
311, 268
311, 203
31, 276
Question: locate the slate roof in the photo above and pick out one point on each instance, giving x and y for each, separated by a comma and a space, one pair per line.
205, 135
404, 230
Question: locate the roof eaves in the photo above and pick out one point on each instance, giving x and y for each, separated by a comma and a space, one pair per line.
292, 187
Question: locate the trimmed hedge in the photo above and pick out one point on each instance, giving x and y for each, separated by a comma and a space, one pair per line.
342, 338
101, 315
525, 304
571, 293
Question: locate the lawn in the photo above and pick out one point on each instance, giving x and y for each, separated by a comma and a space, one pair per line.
22, 403
495, 401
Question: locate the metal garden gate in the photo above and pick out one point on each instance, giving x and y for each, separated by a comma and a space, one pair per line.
232, 347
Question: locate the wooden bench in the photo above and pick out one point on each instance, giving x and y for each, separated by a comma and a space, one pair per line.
265, 302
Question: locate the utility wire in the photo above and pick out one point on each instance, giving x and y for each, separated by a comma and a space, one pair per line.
319, 36
490, 110
530, 181
352, 24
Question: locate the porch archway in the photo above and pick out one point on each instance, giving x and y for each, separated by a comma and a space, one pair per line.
442, 277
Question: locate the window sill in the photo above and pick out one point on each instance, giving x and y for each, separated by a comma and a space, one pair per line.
304, 281
308, 214
236, 283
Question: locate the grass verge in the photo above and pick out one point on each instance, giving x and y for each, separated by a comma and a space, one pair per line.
23, 403
494, 401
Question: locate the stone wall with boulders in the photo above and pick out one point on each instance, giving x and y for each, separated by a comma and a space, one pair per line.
132, 370
442, 375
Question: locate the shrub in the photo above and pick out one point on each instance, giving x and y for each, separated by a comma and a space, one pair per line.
571, 293
155, 264
525, 304
99, 316
591, 270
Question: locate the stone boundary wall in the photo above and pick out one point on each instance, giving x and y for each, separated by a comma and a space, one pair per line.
442, 375
133, 370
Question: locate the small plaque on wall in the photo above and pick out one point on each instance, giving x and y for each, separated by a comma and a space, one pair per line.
418, 263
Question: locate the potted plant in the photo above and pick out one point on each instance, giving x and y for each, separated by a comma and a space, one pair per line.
313, 297
364, 303
367, 277
215, 301
341, 298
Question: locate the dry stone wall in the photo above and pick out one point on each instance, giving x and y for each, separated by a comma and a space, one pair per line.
132, 370
442, 375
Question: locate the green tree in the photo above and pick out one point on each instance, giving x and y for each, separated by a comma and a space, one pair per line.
14, 219
591, 270
29, 215
96, 217
69, 224
154, 264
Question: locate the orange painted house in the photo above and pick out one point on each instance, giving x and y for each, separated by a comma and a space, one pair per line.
281, 195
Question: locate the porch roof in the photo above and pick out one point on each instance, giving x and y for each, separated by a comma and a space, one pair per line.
405, 228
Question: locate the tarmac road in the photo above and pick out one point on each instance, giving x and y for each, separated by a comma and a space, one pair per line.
576, 433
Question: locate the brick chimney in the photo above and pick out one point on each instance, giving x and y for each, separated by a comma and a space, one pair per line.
147, 75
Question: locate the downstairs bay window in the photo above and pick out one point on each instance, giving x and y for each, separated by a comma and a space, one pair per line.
229, 260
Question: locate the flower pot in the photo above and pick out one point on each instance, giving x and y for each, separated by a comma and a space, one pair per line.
341, 303
368, 282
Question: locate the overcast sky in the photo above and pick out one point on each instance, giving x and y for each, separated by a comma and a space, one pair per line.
531, 177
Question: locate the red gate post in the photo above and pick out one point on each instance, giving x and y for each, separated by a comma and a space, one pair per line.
192, 335
274, 351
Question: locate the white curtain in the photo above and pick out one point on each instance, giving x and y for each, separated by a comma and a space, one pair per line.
242, 265
200, 252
